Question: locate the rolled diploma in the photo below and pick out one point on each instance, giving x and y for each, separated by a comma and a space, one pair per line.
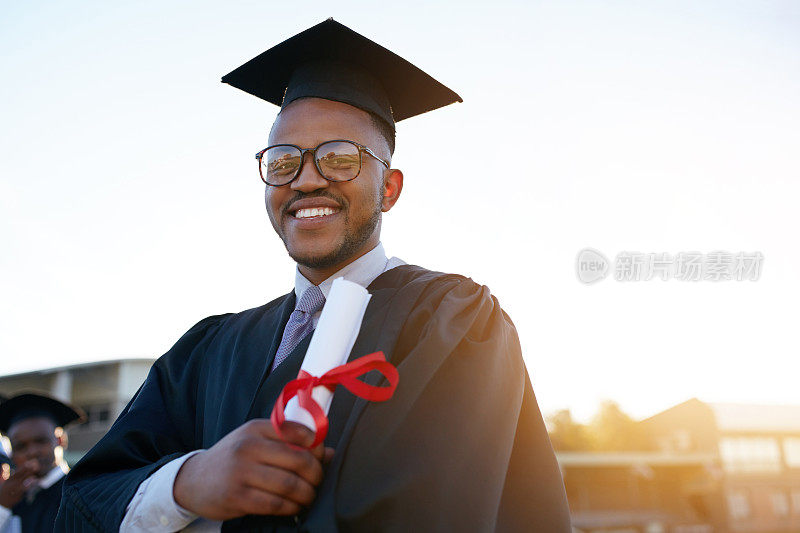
331, 342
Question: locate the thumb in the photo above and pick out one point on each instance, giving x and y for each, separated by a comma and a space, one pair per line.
297, 434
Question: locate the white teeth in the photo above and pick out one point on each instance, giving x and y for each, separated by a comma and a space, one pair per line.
314, 212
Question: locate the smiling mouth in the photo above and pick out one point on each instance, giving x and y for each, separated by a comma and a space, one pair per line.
314, 212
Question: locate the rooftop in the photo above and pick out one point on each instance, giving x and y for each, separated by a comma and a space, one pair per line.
749, 417
87, 364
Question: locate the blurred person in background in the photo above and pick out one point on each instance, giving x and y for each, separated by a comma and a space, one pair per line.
30, 494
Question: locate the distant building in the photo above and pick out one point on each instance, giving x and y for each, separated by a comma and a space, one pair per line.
643, 492
718, 468
102, 389
758, 448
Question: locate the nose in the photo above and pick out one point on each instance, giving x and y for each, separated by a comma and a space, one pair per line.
309, 178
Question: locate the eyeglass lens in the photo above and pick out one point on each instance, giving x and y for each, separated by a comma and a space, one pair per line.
337, 160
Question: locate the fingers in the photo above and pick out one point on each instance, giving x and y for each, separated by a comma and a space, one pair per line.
13, 488
300, 435
260, 444
25, 471
328, 457
254, 501
282, 483
292, 432
265, 473
278, 454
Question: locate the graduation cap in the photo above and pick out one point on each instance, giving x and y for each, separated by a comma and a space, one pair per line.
31, 405
333, 62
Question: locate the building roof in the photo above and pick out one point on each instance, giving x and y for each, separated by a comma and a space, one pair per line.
750, 417
739, 417
87, 364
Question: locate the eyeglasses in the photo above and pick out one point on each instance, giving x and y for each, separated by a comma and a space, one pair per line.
338, 160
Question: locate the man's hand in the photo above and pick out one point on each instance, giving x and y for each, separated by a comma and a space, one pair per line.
252, 471
13, 489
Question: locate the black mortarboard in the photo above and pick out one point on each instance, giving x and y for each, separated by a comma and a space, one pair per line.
333, 62
31, 405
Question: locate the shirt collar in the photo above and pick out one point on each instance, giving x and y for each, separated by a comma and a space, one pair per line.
53, 475
362, 271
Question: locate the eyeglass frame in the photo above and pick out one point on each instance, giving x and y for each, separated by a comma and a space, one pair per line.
303, 151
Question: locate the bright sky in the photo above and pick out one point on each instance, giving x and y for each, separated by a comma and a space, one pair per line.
130, 203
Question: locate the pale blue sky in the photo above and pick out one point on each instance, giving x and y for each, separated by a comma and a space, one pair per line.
130, 203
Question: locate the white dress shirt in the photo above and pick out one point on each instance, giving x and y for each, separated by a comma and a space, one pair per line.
8, 522
153, 507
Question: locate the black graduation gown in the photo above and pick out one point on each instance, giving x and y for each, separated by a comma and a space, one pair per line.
460, 447
39, 516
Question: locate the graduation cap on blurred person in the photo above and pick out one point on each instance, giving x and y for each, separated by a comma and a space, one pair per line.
30, 405
333, 62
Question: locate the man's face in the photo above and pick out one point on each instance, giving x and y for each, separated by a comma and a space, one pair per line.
34, 439
327, 241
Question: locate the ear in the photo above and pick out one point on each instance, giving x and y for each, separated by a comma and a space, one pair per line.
393, 184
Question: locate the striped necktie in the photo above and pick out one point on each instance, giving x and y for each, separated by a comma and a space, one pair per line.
300, 323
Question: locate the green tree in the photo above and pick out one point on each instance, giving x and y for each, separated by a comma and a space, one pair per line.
566, 434
612, 430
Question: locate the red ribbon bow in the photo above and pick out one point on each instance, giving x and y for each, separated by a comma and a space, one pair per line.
346, 375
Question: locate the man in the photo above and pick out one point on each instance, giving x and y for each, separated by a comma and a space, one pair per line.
34, 426
460, 446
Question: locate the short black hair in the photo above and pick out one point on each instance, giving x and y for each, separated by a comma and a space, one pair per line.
387, 131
